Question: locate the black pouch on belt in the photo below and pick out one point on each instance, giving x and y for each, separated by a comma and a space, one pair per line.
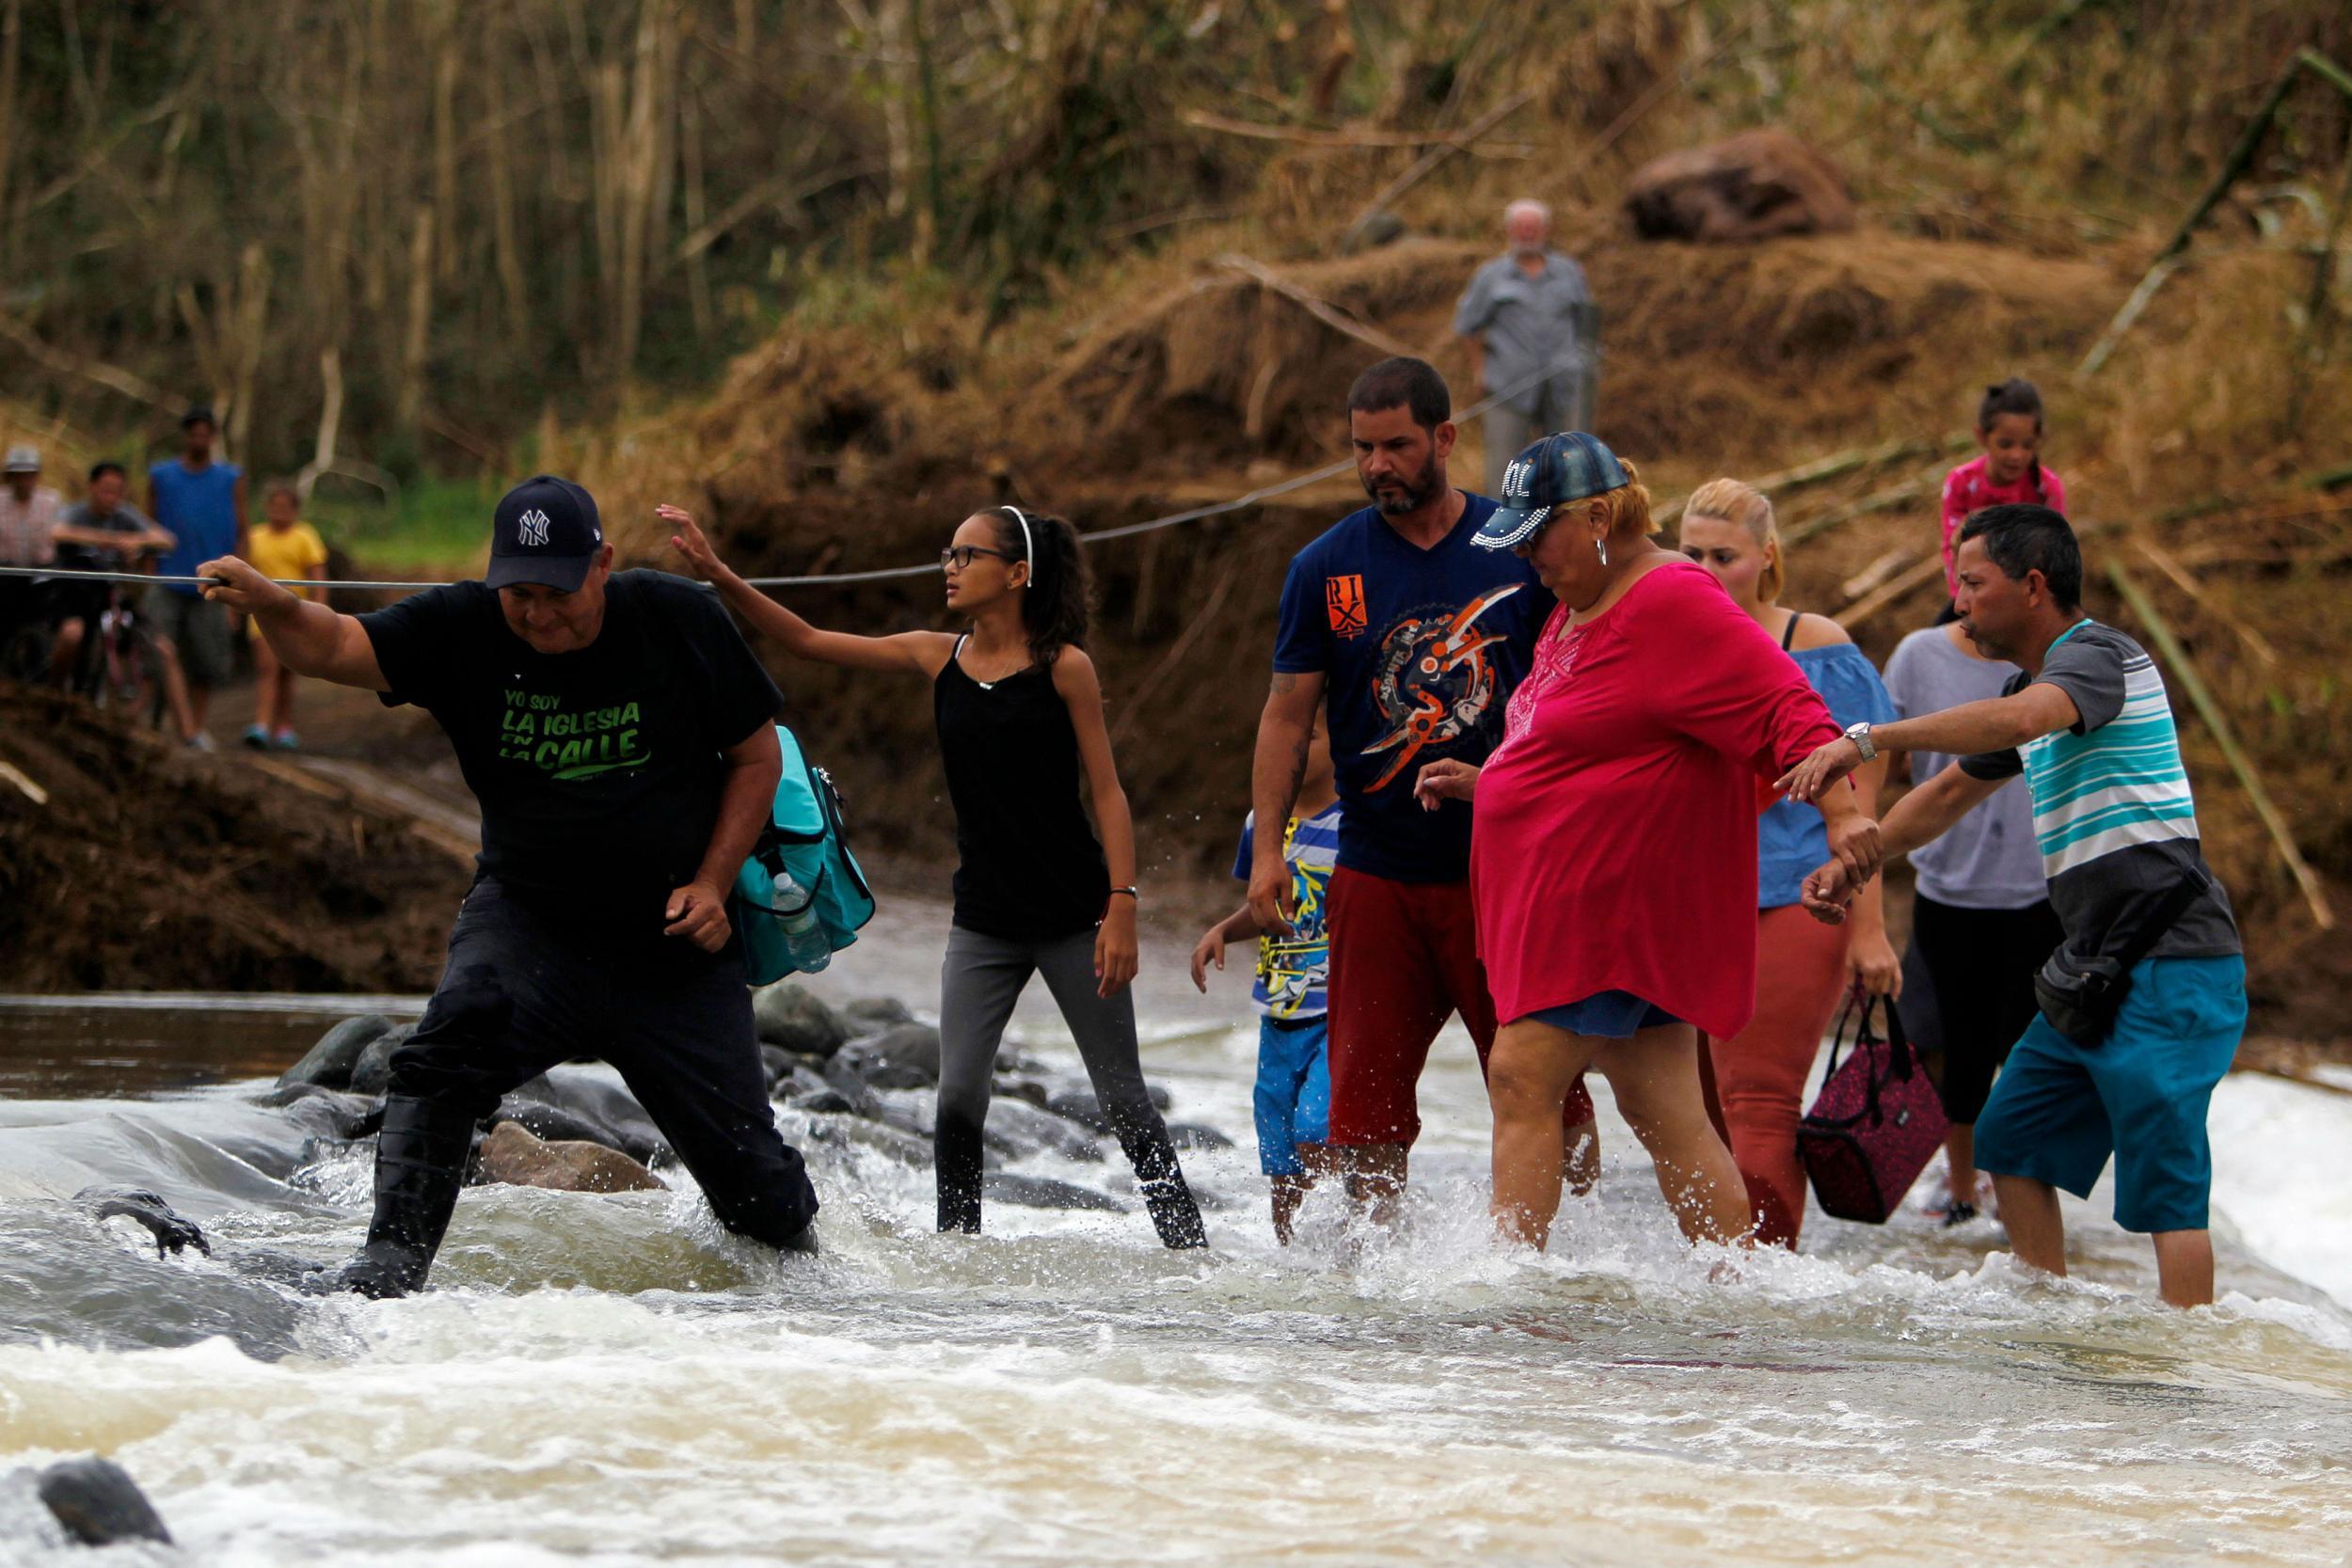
2080, 996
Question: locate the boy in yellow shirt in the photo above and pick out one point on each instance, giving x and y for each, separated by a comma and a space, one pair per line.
283, 546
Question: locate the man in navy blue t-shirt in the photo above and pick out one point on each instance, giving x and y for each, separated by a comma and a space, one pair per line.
1416, 637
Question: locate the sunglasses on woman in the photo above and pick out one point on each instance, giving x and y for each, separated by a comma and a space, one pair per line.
957, 557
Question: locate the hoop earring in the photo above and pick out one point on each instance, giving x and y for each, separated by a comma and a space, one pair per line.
1602, 546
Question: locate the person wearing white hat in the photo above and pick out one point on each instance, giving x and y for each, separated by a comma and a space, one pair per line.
29, 514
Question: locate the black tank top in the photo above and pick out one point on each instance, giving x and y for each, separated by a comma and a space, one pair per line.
1032, 868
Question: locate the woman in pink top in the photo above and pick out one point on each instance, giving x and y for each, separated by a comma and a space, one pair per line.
1612, 865
2009, 428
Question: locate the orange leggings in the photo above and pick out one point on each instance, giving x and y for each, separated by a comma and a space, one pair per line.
1755, 1081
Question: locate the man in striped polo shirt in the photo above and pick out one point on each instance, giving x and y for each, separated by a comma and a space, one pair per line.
2089, 726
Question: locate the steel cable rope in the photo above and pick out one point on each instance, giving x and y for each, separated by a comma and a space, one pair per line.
1239, 504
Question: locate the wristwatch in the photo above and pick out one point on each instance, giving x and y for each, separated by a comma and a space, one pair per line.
1859, 733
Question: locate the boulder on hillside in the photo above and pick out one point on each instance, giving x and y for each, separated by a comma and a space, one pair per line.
328, 1063
510, 1155
786, 1016
1750, 187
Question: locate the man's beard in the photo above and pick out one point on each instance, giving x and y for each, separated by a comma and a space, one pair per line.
1409, 495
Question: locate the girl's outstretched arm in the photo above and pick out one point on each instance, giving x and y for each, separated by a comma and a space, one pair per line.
924, 653
1115, 945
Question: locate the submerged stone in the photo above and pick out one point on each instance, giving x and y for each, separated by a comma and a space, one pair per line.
98, 1504
330, 1062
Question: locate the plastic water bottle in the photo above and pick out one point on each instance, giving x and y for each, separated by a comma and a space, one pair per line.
796, 912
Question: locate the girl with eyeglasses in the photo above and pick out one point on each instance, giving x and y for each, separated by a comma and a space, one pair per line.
1019, 711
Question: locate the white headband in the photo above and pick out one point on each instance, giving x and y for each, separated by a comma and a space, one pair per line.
1028, 545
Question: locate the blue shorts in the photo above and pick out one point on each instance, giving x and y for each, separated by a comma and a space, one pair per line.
2061, 1109
1293, 1093
1614, 1015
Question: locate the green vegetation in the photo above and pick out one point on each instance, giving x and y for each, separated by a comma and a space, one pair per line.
436, 525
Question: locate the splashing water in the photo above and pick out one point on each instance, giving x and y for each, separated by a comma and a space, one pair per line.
615, 1379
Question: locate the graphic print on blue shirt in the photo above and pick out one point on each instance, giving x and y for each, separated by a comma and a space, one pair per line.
1293, 970
1419, 651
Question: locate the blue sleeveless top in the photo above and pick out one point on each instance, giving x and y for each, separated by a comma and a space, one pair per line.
1792, 839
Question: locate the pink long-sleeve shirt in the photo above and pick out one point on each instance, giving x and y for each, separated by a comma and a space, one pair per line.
1615, 839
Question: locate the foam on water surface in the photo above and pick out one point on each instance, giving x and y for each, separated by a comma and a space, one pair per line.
612, 1380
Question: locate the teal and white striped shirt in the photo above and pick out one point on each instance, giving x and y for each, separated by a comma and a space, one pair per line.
2112, 808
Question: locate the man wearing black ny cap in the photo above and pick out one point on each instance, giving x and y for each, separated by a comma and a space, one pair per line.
617, 733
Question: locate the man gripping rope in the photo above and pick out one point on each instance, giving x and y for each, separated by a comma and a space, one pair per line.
615, 730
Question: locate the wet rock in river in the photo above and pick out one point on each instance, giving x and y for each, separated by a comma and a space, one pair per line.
328, 1064
170, 1230
552, 1122
800, 1086
873, 1013
850, 1131
842, 1075
1197, 1134
786, 1016
98, 1504
1043, 1192
904, 1056
611, 1114
1081, 1107
371, 1075
330, 1113
1030, 1130
511, 1155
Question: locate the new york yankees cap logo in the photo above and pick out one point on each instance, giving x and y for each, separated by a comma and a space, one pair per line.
545, 530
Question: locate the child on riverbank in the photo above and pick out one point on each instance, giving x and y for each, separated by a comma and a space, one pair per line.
1019, 712
1293, 1099
283, 546
2008, 470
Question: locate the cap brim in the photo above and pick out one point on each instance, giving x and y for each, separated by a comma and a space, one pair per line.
563, 572
1506, 529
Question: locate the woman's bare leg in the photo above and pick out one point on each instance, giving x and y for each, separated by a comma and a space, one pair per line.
1655, 1077
1527, 1081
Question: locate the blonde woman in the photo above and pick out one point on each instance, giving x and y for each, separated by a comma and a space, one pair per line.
1803, 967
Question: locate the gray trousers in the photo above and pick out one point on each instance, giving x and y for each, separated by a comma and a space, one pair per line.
980, 979
1564, 403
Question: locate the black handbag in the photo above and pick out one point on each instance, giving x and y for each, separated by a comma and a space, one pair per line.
2080, 996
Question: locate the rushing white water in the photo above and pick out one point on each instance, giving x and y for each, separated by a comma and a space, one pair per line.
611, 1379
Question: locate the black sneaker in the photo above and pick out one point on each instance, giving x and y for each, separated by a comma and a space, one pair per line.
1959, 1214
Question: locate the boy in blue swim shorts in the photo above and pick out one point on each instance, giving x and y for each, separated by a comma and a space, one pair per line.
1294, 1091
2088, 723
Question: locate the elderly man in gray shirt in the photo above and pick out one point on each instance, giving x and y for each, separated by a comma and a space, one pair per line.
1525, 310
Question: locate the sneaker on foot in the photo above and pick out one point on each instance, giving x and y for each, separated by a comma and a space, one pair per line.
285, 740
199, 741
256, 736
1959, 1214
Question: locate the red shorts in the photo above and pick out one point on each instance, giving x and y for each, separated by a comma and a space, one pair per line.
1404, 960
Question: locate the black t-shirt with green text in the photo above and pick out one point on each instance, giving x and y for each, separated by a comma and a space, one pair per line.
599, 771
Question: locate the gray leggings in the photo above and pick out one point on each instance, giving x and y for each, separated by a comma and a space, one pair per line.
980, 979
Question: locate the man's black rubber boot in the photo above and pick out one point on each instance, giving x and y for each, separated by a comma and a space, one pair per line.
419, 1164
1174, 1214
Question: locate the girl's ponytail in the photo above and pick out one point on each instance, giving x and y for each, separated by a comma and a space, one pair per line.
1056, 606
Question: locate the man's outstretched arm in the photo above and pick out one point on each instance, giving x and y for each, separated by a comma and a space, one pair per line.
307, 637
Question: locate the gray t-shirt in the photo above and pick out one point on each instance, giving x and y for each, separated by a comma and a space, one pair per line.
1527, 323
1989, 860
2111, 803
